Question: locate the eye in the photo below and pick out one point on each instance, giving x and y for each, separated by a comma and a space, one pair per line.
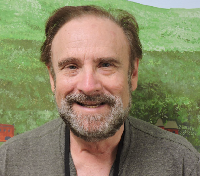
106, 64
72, 67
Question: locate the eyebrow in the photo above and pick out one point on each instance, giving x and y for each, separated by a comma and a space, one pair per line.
108, 59
67, 61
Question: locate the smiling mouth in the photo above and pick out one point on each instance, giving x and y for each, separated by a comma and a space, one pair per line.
90, 105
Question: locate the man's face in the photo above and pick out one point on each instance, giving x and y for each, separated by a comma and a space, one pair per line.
90, 58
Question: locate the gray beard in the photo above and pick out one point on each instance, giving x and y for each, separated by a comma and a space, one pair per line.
96, 127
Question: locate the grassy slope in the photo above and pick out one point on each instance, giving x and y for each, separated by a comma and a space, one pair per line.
161, 29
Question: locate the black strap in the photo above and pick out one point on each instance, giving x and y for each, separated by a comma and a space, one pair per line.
117, 160
67, 150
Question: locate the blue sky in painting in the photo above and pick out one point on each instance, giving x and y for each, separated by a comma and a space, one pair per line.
187, 4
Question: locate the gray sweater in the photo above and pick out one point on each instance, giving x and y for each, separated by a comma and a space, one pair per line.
147, 151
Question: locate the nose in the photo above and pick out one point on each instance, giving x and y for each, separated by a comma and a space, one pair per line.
89, 82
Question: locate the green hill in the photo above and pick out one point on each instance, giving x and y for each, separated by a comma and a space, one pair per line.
161, 29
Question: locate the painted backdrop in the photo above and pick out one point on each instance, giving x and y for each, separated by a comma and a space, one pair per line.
169, 75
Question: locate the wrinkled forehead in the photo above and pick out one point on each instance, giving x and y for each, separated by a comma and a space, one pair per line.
90, 31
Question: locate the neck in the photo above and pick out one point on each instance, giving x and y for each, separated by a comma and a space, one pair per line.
104, 147
94, 158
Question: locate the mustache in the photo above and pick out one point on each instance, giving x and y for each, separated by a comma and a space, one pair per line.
97, 98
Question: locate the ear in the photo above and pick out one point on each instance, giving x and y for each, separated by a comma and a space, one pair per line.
134, 76
51, 79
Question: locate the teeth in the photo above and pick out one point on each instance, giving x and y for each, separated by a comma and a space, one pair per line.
91, 106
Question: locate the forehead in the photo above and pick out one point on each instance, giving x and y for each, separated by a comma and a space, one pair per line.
91, 32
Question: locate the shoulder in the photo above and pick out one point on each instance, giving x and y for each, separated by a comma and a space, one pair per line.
36, 152
157, 133
153, 147
34, 135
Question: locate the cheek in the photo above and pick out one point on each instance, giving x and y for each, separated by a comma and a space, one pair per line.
63, 87
119, 87
125, 94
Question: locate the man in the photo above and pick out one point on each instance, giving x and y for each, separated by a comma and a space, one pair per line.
92, 59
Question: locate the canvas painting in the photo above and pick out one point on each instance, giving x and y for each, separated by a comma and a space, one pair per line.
168, 92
